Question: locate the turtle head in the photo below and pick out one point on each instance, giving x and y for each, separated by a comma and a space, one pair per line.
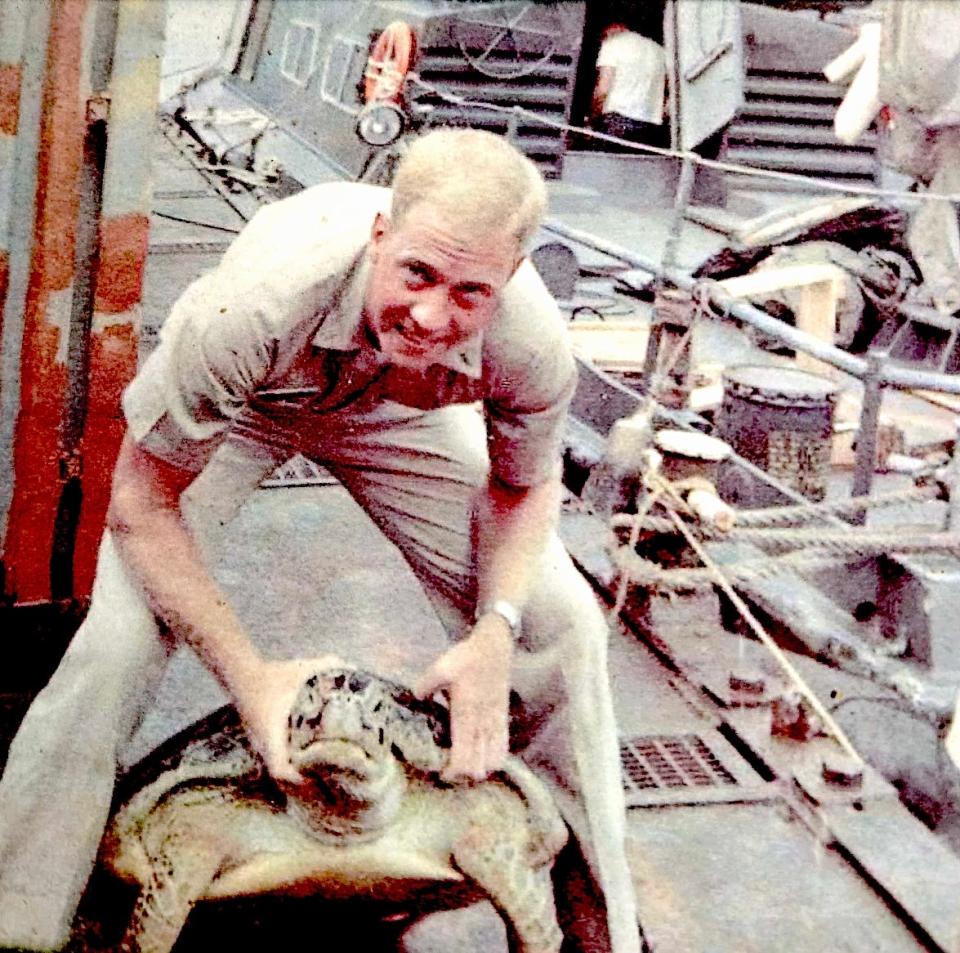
339, 744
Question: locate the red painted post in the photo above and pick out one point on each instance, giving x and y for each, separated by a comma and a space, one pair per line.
49, 309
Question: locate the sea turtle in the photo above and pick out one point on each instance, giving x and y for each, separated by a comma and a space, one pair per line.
377, 820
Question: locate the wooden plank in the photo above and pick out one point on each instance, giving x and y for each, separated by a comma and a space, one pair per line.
820, 285
612, 346
817, 316
947, 401
768, 280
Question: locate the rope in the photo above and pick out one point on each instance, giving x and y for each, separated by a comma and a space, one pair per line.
796, 679
786, 515
755, 171
644, 572
802, 548
624, 583
855, 541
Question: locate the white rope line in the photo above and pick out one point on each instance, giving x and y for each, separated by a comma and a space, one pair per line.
624, 585
795, 677
755, 171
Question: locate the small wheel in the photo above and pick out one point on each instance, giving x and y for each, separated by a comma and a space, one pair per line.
380, 123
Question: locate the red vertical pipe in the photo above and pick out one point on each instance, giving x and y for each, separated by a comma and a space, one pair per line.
43, 372
124, 231
113, 362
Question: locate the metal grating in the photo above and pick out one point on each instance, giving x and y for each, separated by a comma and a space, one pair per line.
656, 762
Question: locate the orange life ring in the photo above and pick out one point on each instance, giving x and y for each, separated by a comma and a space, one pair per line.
389, 62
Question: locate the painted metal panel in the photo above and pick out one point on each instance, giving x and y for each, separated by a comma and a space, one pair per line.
69, 343
309, 70
708, 67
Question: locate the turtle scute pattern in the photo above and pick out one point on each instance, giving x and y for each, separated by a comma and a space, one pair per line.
372, 754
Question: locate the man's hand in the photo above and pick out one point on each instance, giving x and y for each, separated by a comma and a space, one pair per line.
476, 675
264, 705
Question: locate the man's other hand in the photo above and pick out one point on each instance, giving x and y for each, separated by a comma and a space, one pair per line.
476, 675
265, 704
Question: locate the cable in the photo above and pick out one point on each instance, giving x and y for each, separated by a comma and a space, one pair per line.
901, 704
193, 221
795, 677
755, 171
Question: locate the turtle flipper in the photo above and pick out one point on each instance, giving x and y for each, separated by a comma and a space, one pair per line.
547, 832
495, 855
183, 863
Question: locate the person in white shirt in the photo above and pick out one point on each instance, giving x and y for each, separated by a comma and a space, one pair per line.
628, 97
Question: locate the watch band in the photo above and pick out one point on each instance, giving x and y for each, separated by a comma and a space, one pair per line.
507, 611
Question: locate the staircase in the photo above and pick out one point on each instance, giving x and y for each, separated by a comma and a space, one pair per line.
786, 123
546, 89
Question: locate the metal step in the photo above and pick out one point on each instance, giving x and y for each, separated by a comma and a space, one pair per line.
503, 93
543, 146
788, 88
805, 160
475, 115
452, 62
770, 132
777, 109
545, 90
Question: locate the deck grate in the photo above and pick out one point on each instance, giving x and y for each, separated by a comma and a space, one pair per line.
654, 762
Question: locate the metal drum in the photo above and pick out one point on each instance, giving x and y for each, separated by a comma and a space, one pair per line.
781, 420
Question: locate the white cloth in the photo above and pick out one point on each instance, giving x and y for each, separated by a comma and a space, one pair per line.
639, 76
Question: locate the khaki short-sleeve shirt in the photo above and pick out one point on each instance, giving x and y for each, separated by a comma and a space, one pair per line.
279, 324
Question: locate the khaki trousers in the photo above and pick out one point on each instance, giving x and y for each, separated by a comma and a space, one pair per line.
417, 475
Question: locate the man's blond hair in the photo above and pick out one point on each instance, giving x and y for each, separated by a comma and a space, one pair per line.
476, 178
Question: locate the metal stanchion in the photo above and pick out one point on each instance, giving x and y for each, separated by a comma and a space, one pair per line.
667, 263
866, 459
953, 481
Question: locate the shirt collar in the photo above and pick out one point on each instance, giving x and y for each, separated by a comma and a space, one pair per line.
342, 328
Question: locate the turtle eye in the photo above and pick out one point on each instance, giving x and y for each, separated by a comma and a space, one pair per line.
358, 681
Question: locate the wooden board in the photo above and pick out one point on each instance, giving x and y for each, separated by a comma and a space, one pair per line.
612, 345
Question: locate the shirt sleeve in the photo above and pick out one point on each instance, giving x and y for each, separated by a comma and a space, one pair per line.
214, 349
531, 378
610, 53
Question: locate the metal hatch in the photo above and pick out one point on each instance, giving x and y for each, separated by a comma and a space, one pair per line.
704, 45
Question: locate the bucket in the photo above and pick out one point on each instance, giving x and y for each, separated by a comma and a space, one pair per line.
781, 420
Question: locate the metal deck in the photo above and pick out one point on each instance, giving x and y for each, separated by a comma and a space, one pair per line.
735, 843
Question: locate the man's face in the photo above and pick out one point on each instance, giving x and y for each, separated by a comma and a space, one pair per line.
429, 289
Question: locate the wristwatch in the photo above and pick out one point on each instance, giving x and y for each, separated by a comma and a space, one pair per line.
507, 611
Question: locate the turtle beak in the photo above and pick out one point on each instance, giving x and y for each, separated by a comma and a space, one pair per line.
330, 755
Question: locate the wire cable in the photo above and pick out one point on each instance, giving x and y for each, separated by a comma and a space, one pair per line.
755, 171
829, 722
193, 221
